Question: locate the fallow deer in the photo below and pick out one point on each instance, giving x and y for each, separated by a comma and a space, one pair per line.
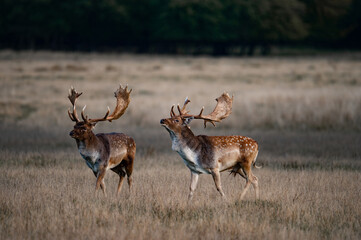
103, 151
212, 154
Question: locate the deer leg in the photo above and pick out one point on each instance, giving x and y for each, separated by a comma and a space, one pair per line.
248, 183
246, 173
251, 179
102, 187
100, 180
217, 180
255, 185
121, 174
119, 170
101, 184
194, 181
129, 170
120, 184
242, 173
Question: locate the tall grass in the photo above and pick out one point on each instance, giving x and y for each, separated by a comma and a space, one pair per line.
57, 202
304, 113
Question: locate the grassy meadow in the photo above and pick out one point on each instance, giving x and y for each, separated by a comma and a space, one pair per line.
305, 113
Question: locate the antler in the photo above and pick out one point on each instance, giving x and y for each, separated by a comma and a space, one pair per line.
222, 110
183, 110
123, 100
73, 96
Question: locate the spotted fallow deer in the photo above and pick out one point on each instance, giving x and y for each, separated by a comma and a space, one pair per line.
212, 154
103, 151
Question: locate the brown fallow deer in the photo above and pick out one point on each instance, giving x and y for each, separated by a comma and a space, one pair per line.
103, 151
212, 154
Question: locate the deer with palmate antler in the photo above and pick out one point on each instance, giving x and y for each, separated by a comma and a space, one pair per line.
103, 151
212, 154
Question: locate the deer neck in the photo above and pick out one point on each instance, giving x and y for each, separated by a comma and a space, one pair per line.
90, 147
190, 148
184, 140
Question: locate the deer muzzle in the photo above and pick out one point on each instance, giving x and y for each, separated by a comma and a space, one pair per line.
71, 133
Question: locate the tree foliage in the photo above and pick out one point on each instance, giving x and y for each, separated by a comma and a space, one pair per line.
164, 25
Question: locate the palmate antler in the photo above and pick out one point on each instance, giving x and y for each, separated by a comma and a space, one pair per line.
123, 100
73, 96
222, 110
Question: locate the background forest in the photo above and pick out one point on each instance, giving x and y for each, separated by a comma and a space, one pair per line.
217, 27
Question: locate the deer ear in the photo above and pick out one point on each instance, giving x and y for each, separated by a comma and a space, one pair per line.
187, 121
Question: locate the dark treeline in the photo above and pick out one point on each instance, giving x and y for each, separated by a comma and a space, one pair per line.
179, 26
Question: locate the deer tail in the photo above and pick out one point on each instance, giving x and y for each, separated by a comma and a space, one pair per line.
254, 163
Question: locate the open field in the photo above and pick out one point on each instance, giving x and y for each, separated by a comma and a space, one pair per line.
305, 112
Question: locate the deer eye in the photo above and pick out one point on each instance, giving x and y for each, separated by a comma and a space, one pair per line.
177, 120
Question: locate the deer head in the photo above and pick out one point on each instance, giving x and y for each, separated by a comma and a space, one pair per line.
83, 129
178, 123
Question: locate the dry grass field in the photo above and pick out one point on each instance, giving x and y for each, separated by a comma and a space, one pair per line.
305, 113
